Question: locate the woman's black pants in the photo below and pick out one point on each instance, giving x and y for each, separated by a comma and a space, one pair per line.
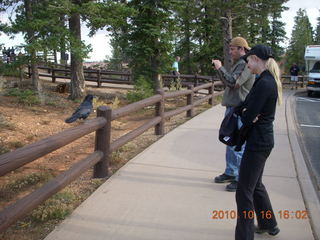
252, 196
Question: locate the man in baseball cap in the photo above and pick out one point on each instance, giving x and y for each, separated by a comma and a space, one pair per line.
238, 83
239, 42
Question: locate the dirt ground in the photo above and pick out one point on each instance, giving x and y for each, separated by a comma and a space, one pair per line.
22, 124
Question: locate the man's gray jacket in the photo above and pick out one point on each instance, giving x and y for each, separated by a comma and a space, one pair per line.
238, 83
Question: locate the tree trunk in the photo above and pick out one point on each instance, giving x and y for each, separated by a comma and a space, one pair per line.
227, 36
55, 60
155, 69
30, 34
155, 62
77, 76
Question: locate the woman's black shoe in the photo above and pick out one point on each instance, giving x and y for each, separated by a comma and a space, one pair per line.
272, 231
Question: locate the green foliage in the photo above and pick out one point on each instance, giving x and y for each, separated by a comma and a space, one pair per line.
3, 149
197, 35
142, 89
317, 32
15, 144
148, 34
22, 183
301, 37
150, 38
24, 96
9, 70
55, 208
277, 35
191, 29
259, 22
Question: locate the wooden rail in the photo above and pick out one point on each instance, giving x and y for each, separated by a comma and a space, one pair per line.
102, 76
98, 76
13, 160
187, 79
302, 79
100, 157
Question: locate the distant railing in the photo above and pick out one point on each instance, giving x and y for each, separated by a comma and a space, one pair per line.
92, 75
302, 80
103, 76
187, 79
99, 159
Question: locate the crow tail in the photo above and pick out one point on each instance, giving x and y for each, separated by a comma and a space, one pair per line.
71, 119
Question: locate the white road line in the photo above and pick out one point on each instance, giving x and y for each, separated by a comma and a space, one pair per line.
302, 99
306, 125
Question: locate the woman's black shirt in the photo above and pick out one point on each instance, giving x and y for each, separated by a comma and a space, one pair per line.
261, 101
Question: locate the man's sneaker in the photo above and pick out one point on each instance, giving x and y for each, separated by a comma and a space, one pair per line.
272, 231
232, 187
223, 178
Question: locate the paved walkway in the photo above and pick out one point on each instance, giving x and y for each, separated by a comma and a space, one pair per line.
167, 191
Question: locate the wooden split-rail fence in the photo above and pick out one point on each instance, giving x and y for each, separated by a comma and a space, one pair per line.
99, 158
91, 75
302, 80
103, 76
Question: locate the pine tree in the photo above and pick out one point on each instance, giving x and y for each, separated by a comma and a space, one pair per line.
119, 33
301, 37
197, 36
185, 14
317, 32
150, 38
277, 34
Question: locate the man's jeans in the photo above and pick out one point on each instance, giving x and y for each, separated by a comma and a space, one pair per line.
233, 158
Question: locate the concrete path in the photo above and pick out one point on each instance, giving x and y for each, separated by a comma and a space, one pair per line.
167, 191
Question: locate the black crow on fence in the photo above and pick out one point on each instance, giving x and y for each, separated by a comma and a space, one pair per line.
83, 110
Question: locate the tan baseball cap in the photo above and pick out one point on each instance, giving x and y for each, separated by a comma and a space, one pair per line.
239, 42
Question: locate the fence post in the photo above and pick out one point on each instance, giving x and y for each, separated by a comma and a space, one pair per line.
99, 77
196, 80
190, 113
103, 143
129, 78
211, 92
53, 75
159, 128
66, 68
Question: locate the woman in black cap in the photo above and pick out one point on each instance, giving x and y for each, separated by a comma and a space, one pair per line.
257, 114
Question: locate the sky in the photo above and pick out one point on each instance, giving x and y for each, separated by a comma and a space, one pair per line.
101, 47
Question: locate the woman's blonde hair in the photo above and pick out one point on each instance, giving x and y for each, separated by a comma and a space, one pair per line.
273, 68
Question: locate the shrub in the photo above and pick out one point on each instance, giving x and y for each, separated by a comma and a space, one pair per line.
55, 208
3, 149
20, 184
9, 70
25, 96
24, 182
142, 89
15, 144
4, 124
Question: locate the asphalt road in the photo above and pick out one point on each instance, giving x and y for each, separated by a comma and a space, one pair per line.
307, 111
